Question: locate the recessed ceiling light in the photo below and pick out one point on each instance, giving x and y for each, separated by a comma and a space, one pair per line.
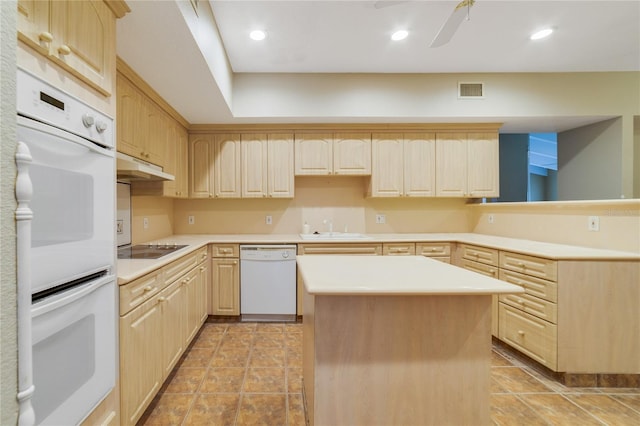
541, 34
257, 35
399, 35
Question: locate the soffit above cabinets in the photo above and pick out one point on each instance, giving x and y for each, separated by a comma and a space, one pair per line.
350, 41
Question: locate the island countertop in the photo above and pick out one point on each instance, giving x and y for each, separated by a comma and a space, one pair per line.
393, 275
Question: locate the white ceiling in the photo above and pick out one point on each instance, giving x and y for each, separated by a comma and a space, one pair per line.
353, 37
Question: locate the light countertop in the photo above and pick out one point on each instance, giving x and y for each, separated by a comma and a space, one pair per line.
129, 270
393, 275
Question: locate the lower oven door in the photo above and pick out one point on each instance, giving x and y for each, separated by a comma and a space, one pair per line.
74, 351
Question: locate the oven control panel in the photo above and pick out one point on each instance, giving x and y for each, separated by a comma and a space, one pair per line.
41, 101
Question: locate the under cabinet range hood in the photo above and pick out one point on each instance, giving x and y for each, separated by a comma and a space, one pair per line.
131, 169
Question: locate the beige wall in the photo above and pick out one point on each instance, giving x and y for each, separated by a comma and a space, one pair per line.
8, 319
636, 156
159, 211
340, 199
564, 222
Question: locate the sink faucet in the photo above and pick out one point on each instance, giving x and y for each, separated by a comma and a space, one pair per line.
330, 225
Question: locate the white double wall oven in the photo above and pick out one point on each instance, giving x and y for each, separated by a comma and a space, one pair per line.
72, 255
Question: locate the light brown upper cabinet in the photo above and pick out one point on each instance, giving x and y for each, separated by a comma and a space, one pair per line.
176, 162
227, 166
333, 154
467, 165
214, 166
403, 165
79, 36
143, 127
267, 165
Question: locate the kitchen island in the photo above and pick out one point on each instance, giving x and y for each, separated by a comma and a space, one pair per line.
396, 340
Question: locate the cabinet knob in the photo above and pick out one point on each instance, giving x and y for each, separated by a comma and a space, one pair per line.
45, 36
520, 301
147, 289
492, 271
202, 268
521, 333
235, 262
64, 50
162, 299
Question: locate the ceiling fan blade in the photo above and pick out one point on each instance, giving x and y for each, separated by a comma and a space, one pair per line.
452, 23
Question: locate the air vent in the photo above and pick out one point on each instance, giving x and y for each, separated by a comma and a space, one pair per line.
470, 90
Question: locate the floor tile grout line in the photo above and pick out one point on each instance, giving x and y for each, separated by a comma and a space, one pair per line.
585, 410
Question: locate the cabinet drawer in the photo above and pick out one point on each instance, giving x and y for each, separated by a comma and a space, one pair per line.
225, 250
530, 265
480, 254
433, 249
532, 336
181, 266
138, 291
541, 308
398, 249
372, 249
543, 289
480, 268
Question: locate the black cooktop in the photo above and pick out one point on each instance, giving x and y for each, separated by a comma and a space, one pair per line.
147, 251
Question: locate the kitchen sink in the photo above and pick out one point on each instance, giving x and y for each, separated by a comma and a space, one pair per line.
335, 236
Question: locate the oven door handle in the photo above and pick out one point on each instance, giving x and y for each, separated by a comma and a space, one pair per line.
68, 297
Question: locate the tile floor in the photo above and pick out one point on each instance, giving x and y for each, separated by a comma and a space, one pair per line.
250, 374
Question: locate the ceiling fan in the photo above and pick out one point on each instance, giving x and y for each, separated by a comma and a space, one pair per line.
450, 26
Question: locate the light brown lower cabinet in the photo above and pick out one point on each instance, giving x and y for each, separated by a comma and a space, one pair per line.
225, 280
155, 332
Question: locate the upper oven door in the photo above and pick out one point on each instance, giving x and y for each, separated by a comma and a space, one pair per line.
72, 232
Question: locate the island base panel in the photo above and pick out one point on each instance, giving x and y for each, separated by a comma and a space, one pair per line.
380, 360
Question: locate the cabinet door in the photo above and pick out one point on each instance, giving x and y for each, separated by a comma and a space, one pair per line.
129, 118
172, 303
33, 24
225, 287
192, 294
387, 153
84, 41
254, 166
419, 165
227, 166
155, 139
314, 154
182, 162
140, 369
451, 165
201, 162
483, 165
202, 287
280, 173
352, 153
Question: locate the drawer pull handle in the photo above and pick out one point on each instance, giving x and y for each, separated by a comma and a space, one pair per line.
64, 50
162, 299
147, 289
492, 271
434, 249
202, 268
521, 333
45, 36
520, 301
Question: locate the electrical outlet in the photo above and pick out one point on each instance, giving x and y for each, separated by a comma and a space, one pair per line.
490, 218
594, 223
192, 220
380, 218
268, 219
145, 222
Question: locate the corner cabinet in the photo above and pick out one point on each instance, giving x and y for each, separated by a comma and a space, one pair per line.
403, 165
324, 154
467, 165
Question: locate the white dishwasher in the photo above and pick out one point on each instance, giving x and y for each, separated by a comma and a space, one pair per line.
268, 282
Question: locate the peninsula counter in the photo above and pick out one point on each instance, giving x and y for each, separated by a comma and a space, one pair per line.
396, 340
